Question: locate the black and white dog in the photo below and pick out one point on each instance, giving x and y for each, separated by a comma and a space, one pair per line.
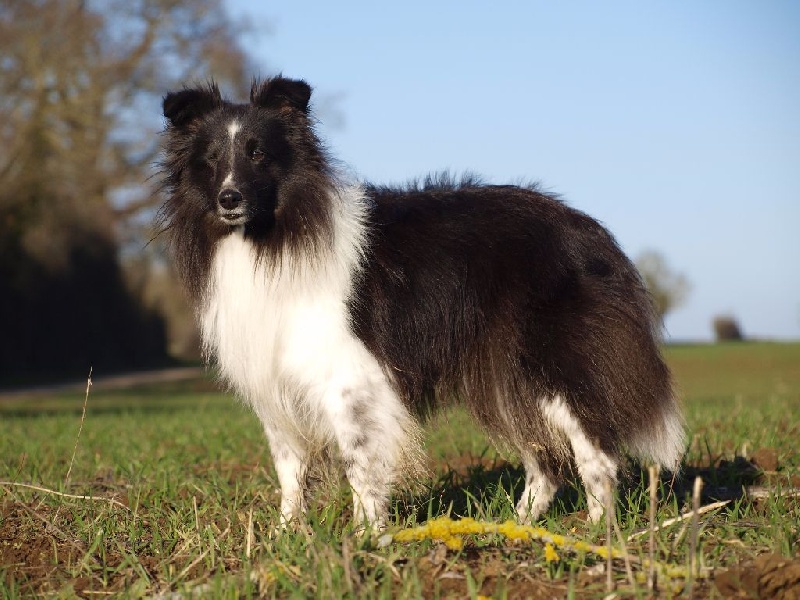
345, 313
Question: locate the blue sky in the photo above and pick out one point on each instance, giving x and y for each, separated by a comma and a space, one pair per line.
677, 124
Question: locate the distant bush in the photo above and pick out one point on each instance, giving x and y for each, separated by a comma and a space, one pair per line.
64, 319
668, 289
726, 329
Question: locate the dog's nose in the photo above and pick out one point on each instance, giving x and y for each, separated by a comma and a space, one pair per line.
229, 199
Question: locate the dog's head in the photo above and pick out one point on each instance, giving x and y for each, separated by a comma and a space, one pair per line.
243, 162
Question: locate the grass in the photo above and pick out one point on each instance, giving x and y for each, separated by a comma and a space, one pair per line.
196, 500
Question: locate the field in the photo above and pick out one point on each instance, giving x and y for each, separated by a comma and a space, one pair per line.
167, 491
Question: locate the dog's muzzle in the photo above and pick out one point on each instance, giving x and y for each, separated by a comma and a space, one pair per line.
230, 207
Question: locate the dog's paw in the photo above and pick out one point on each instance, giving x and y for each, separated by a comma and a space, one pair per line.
371, 530
284, 525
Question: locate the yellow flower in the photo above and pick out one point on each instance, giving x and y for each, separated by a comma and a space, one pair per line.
450, 532
454, 543
550, 553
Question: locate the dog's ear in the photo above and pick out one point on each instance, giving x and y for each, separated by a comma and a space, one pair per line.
181, 108
281, 92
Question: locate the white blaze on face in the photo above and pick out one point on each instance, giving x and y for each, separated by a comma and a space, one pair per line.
233, 128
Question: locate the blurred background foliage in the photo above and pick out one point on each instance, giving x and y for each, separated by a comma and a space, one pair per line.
80, 90
84, 279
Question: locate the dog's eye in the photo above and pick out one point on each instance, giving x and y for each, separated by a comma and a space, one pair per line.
256, 155
254, 151
211, 160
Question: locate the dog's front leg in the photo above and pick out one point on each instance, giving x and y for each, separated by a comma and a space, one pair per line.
370, 425
290, 457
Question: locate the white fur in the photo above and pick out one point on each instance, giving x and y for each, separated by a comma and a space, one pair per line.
538, 493
597, 470
233, 128
280, 335
663, 445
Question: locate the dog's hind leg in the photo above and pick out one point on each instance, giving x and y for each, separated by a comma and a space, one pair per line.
597, 469
540, 488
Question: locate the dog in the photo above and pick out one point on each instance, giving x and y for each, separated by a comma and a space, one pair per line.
345, 313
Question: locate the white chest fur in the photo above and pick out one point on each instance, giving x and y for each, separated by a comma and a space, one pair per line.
280, 333
281, 337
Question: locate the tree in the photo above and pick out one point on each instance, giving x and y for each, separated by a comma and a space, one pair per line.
726, 329
667, 288
80, 89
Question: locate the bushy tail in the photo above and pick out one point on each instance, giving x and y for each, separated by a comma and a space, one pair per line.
664, 442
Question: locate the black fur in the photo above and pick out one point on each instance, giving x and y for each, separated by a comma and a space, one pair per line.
470, 287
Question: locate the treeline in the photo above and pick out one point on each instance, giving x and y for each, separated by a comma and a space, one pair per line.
80, 90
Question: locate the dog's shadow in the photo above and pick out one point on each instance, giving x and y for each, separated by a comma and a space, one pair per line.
479, 488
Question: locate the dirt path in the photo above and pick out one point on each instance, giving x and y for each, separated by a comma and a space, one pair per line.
109, 382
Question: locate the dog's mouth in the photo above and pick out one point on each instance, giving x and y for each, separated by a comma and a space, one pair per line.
234, 218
